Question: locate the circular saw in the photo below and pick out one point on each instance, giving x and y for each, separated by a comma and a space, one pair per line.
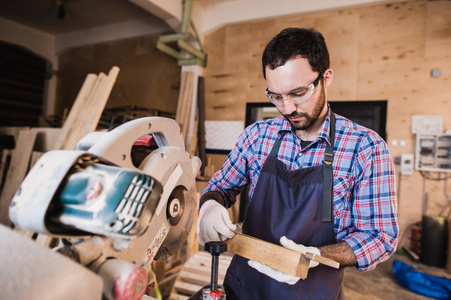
137, 211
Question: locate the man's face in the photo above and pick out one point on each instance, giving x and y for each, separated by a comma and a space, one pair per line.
295, 74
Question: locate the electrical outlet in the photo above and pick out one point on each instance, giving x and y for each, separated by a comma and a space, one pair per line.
407, 161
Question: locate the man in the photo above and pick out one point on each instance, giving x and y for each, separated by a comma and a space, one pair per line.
319, 183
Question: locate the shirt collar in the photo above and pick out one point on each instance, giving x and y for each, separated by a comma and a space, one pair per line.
324, 132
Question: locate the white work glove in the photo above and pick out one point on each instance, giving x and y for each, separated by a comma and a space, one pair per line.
278, 275
213, 220
300, 248
273, 273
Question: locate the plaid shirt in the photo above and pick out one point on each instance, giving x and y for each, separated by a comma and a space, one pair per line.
364, 199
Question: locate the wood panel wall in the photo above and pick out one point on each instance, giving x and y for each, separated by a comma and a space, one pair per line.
147, 78
383, 52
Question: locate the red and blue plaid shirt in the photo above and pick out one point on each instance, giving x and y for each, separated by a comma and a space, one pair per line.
365, 204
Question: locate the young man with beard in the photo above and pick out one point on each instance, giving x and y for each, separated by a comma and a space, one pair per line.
319, 183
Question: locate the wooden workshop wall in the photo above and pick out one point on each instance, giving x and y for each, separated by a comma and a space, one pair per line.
147, 77
382, 52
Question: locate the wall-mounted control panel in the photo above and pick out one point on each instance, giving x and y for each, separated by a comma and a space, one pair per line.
433, 152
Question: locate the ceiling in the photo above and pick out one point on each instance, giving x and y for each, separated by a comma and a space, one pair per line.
79, 14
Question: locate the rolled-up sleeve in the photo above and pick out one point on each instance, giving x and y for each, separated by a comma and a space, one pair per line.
230, 180
374, 219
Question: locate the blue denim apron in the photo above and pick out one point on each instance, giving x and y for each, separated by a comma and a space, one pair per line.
296, 204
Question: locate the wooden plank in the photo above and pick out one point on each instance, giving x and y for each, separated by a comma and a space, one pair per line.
203, 257
35, 155
28, 234
206, 261
16, 173
178, 112
173, 270
76, 110
188, 288
185, 101
178, 297
44, 240
201, 123
277, 257
272, 255
193, 143
84, 115
194, 278
222, 257
192, 245
4, 164
101, 101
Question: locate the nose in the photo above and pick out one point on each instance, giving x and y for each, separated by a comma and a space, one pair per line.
287, 107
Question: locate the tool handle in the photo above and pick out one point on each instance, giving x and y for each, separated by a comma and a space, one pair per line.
215, 249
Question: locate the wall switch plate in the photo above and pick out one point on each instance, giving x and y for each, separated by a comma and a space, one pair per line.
407, 162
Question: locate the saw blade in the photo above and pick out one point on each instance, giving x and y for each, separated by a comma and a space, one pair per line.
180, 224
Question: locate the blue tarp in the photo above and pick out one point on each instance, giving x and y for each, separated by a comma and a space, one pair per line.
422, 283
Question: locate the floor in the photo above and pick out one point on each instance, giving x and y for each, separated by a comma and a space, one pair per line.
381, 283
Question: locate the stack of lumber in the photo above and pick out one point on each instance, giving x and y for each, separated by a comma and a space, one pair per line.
18, 168
82, 119
183, 114
87, 109
196, 274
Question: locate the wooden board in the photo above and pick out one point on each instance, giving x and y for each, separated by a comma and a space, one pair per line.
277, 257
272, 255
185, 101
84, 114
16, 173
4, 164
100, 102
76, 111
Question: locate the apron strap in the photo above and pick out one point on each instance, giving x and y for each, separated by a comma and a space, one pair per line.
327, 207
275, 147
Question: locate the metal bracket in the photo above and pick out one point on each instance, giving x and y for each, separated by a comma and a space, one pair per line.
184, 52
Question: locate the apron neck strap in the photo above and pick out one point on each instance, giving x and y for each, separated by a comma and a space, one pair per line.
328, 173
329, 153
275, 147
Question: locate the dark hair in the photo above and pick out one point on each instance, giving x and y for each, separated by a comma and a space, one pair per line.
294, 42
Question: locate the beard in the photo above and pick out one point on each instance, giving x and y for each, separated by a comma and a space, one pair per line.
308, 119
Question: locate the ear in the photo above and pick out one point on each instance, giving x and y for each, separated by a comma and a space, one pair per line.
328, 76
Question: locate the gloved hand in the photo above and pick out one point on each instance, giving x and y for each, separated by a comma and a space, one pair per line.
273, 273
278, 275
287, 243
213, 219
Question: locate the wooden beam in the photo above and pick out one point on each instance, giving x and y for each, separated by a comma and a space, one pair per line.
100, 102
76, 111
75, 133
18, 168
277, 257
185, 101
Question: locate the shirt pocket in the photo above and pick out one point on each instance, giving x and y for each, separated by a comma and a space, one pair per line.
342, 194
